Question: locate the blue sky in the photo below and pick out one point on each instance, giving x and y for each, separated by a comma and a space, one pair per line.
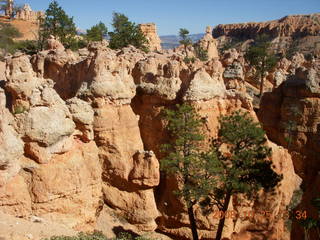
171, 15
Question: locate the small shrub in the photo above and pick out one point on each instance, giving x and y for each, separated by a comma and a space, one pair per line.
96, 235
78, 43
81, 236
27, 46
188, 60
7, 34
201, 53
19, 109
295, 201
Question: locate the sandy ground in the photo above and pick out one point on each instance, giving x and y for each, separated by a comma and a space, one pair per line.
12, 228
110, 223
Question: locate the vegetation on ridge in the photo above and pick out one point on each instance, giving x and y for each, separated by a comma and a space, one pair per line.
97, 32
126, 33
261, 58
7, 34
58, 24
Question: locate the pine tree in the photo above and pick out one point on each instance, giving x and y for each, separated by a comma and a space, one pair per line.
184, 157
185, 40
308, 223
58, 24
97, 32
260, 57
126, 33
243, 167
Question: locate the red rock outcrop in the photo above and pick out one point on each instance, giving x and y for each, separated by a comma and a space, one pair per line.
209, 44
150, 32
203, 87
290, 116
289, 26
60, 175
26, 14
85, 131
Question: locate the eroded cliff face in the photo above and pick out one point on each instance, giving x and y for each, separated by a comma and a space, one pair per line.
294, 124
211, 103
80, 136
288, 35
290, 26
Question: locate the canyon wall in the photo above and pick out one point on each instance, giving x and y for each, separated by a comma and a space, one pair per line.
294, 124
80, 135
290, 26
288, 35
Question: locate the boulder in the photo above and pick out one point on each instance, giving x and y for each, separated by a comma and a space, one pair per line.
48, 125
204, 87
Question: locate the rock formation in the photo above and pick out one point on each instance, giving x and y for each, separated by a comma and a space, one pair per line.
80, 136
26, 21
209, 44
54, 44
290, 116
27, 14
150, 31
288, 35
290, 26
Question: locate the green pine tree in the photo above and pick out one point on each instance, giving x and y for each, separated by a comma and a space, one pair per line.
97, 33
184, 158
243, 167
58, 24
260, 57
126, 33
184, 39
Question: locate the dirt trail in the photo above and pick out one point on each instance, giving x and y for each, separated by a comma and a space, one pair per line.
12, 228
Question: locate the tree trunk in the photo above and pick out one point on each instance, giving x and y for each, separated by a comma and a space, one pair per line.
222, 220
193, 223
261, 84
262, 73
186, 51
